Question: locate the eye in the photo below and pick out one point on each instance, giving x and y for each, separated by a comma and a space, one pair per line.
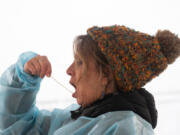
78, 62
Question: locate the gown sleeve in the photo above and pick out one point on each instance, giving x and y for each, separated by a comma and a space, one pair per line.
18, 90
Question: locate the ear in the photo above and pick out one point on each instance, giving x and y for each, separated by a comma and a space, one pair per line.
108, 75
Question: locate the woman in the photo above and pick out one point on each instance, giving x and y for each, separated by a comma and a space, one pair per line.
110, 67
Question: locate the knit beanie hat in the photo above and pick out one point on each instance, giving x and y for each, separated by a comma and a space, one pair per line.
135, 57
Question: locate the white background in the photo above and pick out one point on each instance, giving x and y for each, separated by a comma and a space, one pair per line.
48, 27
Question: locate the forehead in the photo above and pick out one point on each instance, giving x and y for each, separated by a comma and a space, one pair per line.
82, 49
84, 52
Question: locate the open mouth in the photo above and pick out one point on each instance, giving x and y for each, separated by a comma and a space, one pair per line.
75, 93
73, 84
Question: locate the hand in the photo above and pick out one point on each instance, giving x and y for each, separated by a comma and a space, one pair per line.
39, 66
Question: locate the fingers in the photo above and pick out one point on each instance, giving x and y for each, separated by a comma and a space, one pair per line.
39, 66
49, 70
44, 66
35, 63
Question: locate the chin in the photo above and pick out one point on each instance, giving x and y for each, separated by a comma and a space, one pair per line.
79, 102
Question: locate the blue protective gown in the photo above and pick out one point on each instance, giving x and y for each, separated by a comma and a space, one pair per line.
20, 116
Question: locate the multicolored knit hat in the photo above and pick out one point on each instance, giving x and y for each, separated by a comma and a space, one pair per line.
135, 57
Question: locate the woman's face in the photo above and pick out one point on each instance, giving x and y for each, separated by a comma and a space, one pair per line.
88, 83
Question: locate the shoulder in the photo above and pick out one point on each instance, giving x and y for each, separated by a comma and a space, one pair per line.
126, 122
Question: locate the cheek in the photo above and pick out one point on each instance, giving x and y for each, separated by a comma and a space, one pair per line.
78, 75
83, 93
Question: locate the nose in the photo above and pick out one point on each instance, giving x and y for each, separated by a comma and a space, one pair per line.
69, 71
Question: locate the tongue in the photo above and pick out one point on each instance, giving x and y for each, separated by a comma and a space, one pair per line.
74, 94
